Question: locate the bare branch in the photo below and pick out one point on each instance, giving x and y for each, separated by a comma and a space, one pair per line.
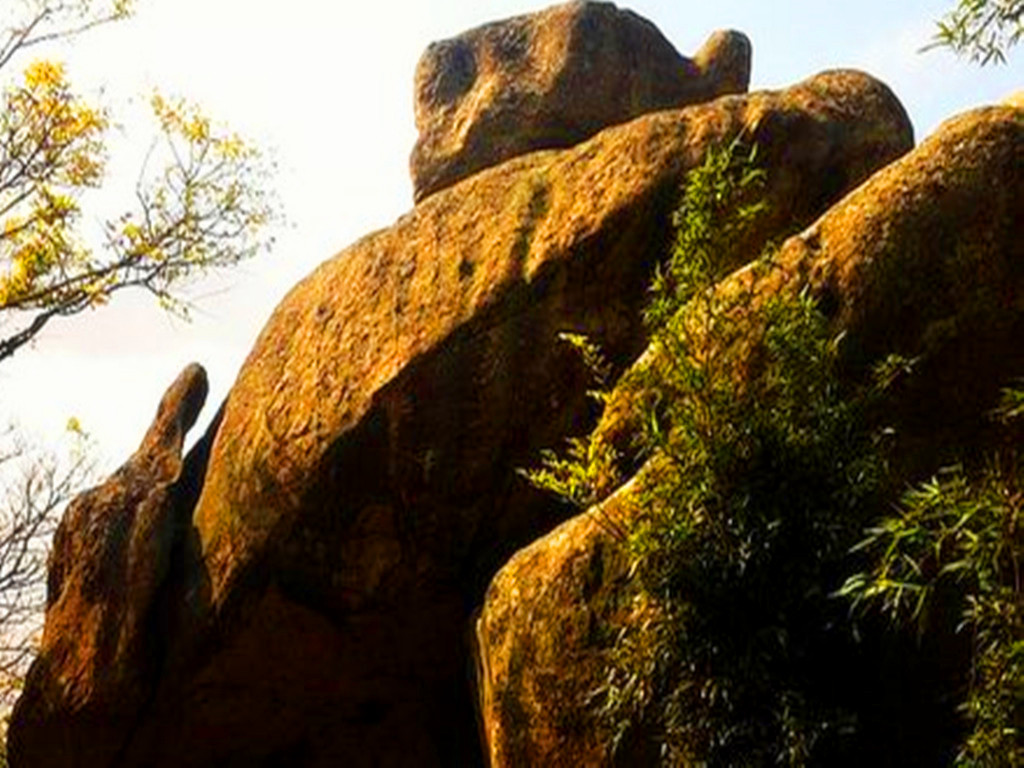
29, 34
36, 485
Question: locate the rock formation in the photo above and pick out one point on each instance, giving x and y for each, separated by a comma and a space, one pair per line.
361, 487
358, 492
909, 262
112, 553
551, 79
365, 467
540, 647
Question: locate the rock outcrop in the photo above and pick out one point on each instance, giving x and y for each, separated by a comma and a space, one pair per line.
364, 477
925, 259
550, 80
918, 220
440, 332
299, 590
112, 553
361, 487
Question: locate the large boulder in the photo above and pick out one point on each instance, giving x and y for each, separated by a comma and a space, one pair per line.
551, 79
432, 345
361, 487
112, 552
926, 259
909, 259
365, 470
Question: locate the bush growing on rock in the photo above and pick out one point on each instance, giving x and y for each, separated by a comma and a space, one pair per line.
763, 464
755, 484
959, 539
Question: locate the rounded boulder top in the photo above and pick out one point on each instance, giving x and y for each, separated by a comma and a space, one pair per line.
552, 79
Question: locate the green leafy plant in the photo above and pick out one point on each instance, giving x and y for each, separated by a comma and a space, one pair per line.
763, 473
757, 481
983, 30
762, 468
960, 538
575, 476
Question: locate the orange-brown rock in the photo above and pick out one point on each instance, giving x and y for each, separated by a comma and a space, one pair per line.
922, 254
925, 259
550, 80
98, 662
543, 640
469, 291
361, 487
366, 461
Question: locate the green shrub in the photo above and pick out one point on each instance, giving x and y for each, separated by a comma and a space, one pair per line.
753, 494
960, 538
765, 474
762, 470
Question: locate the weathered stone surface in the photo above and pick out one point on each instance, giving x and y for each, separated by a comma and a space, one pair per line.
551, 79
361, 487
543, 638
909, 262
913, 263
468, 292
366, 462
111, 554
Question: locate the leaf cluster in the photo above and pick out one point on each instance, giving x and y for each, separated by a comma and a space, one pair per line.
983, 30
763, 472
576, 475
959, 539
200, 200
759, 476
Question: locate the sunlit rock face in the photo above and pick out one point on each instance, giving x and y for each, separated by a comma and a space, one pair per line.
550, 80
909, 262
101, 650
342, 518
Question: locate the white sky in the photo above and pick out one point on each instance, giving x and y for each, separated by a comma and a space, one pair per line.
327, 86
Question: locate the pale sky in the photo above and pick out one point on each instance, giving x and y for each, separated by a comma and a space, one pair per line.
327, 87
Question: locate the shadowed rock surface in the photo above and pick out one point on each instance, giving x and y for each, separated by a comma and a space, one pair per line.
550, 80
925, 259
102, 644
543, 639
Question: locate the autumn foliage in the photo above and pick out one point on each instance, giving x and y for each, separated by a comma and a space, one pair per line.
199, 202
